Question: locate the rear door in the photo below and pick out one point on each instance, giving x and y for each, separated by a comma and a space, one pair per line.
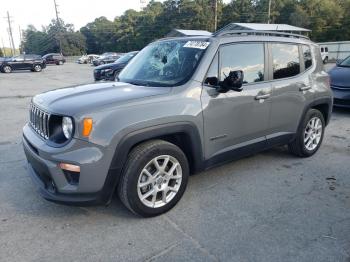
234, 119
291, 86
28, 61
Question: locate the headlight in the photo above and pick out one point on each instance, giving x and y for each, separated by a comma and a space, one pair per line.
67, 127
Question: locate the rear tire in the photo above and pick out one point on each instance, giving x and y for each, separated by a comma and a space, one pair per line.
154, 178
37, 68
309, 136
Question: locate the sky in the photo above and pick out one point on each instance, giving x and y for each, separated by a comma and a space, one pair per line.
40, 12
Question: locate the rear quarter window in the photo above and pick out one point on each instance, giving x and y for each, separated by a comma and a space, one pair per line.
307, 56
286, 61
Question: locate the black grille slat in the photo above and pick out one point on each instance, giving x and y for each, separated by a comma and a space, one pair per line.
39, 120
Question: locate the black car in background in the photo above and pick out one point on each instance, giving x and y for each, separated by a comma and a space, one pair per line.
340, 83
54, 58
34, 63
106, 58
111, 71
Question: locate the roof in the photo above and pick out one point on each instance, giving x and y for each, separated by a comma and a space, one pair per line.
182, 32
263, 27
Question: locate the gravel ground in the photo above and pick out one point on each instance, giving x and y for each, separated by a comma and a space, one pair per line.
268, 207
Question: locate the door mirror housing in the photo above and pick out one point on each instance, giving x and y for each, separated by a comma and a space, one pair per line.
234, 81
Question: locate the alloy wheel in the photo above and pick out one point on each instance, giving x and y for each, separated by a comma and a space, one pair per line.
313, 133
7, 69
159, 181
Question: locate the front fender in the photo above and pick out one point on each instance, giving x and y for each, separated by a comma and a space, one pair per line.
133, 138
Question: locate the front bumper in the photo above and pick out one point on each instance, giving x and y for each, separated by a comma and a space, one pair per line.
96, 182
341, 97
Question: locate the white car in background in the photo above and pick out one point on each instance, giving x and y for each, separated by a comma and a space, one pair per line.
87, 59
324, 54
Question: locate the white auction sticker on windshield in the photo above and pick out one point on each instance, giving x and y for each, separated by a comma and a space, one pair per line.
197, 44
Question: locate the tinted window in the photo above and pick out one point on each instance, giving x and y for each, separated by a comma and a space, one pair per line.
326, 48
19, 58
213, 72
322, 49
307, 56
246, 57
285, 60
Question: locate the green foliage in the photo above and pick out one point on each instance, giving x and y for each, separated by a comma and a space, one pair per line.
329, 20
50, 38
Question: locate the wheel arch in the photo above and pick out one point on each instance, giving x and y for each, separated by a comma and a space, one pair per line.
182, 134
324, 105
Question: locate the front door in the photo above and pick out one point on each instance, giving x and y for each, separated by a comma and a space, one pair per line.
18, 62
235, 120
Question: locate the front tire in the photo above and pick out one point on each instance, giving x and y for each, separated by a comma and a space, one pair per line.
310, 135
7, 69
154, 178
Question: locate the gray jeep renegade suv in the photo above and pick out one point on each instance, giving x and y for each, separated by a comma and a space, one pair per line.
182, 105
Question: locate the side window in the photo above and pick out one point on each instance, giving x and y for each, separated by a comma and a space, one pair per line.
307, 56
286, 62
322, 49
19, 58
248, 57
326, 49
212, 77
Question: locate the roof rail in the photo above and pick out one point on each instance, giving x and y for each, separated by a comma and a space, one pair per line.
257, 32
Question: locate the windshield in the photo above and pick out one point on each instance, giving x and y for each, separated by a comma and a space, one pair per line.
346, 62
125, 58
166, 63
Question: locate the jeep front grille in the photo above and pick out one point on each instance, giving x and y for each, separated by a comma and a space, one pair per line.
39, 120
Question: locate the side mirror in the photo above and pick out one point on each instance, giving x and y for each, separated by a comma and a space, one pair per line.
234, 81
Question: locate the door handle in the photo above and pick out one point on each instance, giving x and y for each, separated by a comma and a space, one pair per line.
304, 88
262, 96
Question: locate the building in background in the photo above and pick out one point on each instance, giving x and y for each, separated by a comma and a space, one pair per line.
336, 50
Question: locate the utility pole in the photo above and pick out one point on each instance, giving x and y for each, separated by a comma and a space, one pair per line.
10, 33
20, 39
20, 34
59, 25
215, 15
269, 13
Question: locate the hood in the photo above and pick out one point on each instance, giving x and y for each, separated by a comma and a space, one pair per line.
112, 66
86, 98
340, 76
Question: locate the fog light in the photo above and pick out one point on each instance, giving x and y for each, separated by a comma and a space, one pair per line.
69, 167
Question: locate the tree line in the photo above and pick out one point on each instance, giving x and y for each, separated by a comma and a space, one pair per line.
329, 20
